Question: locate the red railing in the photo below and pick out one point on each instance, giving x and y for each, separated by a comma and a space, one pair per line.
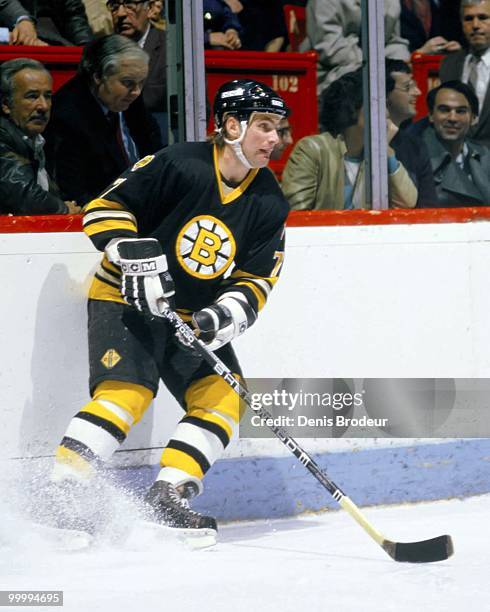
317, 218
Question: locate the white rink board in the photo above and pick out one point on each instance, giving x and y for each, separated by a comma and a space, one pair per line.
353, 302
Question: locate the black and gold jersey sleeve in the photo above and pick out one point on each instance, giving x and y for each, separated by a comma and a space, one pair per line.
258, 270
104, 220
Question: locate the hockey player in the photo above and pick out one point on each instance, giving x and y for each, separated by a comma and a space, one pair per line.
198, 227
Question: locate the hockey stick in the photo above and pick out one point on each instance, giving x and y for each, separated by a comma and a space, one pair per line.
425, 551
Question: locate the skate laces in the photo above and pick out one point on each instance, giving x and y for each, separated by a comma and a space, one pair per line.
180, 500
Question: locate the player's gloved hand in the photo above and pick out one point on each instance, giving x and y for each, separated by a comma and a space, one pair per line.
219, 323
145, 281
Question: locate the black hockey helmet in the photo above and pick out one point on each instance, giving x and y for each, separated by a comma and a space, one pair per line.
242, 97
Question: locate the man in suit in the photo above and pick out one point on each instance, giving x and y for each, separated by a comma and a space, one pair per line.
472, 65
460, 166
100, 126
431, 26
132, 19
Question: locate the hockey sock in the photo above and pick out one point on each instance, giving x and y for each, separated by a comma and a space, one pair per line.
99, 428
203, 434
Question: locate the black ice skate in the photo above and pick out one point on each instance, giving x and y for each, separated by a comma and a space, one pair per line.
170, 509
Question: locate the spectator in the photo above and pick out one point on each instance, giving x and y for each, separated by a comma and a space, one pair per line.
472, 65
25, 186
100, 125
15, 17
98, 17
58, 22
326, 171
284, 131
334, 31
401, 97
421, 25
222, 28
132, 19
263, 25
155, 14
460, 166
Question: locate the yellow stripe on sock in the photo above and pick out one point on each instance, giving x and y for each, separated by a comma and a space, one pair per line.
200, 413
69, 457
131, 397
213, 393
180, 460
99, 410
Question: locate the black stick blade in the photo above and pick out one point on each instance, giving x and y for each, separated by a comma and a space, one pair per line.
426, 551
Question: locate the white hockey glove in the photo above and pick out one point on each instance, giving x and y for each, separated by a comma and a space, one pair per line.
145, 281
219, 323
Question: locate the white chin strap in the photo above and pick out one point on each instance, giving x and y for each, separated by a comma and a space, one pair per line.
236, 145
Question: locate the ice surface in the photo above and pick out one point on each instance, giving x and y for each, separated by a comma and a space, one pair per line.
306, 564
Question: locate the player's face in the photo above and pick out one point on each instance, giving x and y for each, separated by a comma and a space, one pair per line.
119, 90
30, 106
260, 139
476, 26
452, 116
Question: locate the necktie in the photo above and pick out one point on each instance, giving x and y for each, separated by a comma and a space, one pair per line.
115, 123
473, 74
423, 12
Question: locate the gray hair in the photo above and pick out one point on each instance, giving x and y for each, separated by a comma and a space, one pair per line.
102, 57
9, 69
465, 3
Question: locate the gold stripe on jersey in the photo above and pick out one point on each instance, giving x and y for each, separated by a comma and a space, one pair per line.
171, 457
260, 286
237, 192
101, 204
213, 393
69, 457
110, 225
259, 296
101, 290
93, 216
105, 219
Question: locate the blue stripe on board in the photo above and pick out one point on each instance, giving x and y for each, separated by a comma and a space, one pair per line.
270, 487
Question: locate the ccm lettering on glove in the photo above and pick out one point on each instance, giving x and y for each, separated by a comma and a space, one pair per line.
146, 283
219, 323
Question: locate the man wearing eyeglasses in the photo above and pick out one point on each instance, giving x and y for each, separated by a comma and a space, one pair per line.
402, 93
132, 19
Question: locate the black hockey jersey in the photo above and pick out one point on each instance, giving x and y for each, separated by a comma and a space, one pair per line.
214, 243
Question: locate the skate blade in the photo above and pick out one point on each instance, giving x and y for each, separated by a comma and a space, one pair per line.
194, 539
63, 539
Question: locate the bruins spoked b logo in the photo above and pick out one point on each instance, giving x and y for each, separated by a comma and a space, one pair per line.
205, 247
